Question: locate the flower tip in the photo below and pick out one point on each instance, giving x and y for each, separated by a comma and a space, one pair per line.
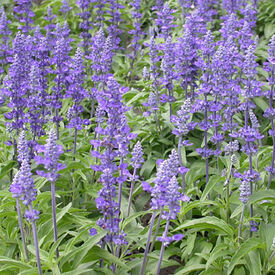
93, 231
146, 186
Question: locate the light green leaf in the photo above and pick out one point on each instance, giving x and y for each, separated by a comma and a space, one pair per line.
216, 253
262, 195
77, 254
208, 223
14, 263
245, 248
188, 269
195, 204
213, 181
81, 271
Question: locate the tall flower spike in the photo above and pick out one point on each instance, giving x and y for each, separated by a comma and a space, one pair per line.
137, 160
18, 81
116, 136
115, 18
181, 120
182, 126
136, 32
76, 91
173, 198
36, 111
167, 170
4, 42
85, 24
17, 192
28, 196
165, 21
23, 148
244, 192
65, 8
137, 155
168, 71
24, 14
61, 60
51, 152
27, 183
270, 111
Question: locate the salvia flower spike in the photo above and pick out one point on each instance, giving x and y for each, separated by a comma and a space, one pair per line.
52, 152
16, 190
28, 196
137, 160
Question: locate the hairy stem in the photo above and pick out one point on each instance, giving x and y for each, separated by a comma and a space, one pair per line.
142, 269
272, 124
181, 163
92, 108
75, 142
21, 229
131, 192
35, 239
241, 225
162, 248
156, 231
120, 186
57, 124
54, 216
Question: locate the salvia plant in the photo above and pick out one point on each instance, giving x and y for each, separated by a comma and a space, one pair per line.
137, 137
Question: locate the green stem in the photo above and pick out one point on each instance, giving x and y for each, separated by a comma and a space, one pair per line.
241, 224
142, 269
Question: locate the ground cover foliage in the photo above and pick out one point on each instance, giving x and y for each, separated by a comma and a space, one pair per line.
137, 137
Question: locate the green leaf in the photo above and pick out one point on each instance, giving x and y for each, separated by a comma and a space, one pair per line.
79, 271
216, 253
77, 254
269, 30
32, 271
190, 243
133, 217
108, 257
74, 166
14, 263
262, 195
255, 266
261, 103
195, 204
245, 248
237, 211
208, 223
63, 212
6, 168
189, 269
213, 181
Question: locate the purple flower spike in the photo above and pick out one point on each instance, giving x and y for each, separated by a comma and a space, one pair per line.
52, 152
24, 14
165, 172
137, 155
76, 91
27, 183
165, 21
16, 187
4, 42
65, 8
23, 149
270, 111
244, 191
